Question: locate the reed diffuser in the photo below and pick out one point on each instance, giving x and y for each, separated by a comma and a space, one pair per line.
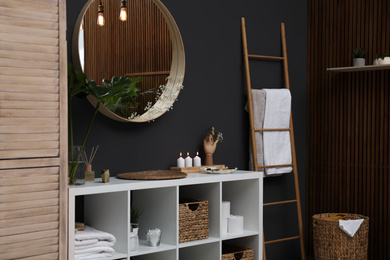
89, 173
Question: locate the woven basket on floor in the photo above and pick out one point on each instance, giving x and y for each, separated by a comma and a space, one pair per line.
330, 242
193, 220
237, 253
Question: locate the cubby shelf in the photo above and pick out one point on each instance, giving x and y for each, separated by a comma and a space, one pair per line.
107, 208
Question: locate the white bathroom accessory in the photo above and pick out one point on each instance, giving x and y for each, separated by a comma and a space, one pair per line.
224, 226
235, 224
225, 209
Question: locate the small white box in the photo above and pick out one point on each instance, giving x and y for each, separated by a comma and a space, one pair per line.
236, 224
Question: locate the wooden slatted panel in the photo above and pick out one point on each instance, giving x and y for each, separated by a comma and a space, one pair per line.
142, 44
348, 140
33, 132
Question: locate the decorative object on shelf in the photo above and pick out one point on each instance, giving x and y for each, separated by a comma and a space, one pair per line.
230, 252
135, 214
188, 160
196, 168
77, 166
134, 240
210, 144
81, 86
180, 161
79, 226
217, 170
197, 160
105, 175
359, 59
152, 175
89, 174
153, 237
383, 60
193, 220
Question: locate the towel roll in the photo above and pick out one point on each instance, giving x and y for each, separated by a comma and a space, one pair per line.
225, 209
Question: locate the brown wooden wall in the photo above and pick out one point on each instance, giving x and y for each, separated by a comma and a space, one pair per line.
348, 117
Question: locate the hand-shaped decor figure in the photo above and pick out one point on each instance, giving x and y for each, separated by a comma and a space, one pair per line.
210, 144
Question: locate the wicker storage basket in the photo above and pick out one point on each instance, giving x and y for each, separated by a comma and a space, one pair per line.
193, 220
237, 253
330, 242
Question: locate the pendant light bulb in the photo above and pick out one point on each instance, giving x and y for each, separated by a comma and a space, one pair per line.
100, 19
123, 13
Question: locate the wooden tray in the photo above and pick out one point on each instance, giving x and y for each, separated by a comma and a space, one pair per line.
195, 168
152, 175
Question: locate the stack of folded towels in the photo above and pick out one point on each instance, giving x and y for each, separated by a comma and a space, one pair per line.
92, 244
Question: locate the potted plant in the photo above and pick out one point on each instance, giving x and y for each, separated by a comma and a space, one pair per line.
81, 86
135, 214
359, 59
384, 59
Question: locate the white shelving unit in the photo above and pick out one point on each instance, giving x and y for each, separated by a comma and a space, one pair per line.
107, 208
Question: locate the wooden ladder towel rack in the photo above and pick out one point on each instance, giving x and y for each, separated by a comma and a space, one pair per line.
290, 129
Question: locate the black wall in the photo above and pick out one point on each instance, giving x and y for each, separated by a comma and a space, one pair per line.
214, 95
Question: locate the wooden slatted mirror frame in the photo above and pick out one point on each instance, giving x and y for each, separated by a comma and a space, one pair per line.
167, 68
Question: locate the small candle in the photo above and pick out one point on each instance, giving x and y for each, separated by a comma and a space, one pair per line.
197, 161
180, 162
188, 160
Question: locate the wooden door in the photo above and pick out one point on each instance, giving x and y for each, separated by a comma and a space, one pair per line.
33, 129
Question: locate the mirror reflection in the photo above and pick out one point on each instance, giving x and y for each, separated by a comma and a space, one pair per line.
140, 46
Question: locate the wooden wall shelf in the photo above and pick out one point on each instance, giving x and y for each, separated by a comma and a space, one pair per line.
360, 68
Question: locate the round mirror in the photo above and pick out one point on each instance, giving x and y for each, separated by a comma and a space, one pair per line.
147, 45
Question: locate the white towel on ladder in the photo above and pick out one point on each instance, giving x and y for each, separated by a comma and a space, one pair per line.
277, 145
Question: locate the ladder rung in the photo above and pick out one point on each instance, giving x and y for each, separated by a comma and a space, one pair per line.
273, 129
279, 202
281, 240
274, 166
265, 57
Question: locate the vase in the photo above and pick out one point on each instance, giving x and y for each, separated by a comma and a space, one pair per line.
79, 174
359, 62
133, 239
76, 167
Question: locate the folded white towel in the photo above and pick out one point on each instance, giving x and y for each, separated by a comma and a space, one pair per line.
91, 233
101, 252
350, 226
97, 244
92, 244
277, 146
85, 242
94, 251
